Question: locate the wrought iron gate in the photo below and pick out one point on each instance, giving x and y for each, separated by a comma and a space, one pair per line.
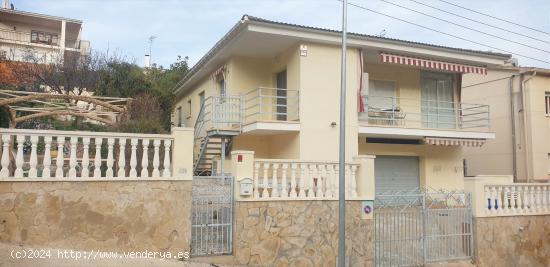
421, 226
212, 215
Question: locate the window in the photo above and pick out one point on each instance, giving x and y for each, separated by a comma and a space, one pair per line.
549, 163
221, 87
189, 108
381, 94
180, 118
44, 37
547, 102
3, 55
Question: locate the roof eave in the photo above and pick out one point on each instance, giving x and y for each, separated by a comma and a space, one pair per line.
38, 15
228, 37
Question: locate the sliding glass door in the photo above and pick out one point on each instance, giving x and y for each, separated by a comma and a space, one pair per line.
438, 107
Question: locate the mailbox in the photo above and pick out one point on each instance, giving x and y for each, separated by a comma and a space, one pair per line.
245, 187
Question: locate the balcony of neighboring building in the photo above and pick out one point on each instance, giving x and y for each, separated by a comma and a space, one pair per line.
20, 28
412, 103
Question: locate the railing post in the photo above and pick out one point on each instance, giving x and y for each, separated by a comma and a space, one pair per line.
243, 167
5, 161
182, 153
47, 161
19, 157
33, 160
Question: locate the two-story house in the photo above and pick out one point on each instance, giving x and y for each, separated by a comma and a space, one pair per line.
273, 88
45, 36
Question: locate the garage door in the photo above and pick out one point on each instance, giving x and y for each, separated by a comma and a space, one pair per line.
396, 173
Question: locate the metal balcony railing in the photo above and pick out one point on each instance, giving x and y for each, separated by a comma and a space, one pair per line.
416, 113
271, 104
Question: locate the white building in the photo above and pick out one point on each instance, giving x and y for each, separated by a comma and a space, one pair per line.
47, 36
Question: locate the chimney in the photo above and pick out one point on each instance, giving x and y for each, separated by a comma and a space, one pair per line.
6, 4
147, 63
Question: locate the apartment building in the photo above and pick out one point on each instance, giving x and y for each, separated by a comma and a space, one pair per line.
45, 37
273, 88
520, 99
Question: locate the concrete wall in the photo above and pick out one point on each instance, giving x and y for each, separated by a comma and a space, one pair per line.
513, 241
299, 233
109, 216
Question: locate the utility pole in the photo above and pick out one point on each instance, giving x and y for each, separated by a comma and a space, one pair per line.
342, 150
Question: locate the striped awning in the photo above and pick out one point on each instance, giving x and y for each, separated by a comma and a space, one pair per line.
431, 64
438, 141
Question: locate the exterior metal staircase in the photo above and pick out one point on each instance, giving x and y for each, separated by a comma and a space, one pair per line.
219, 120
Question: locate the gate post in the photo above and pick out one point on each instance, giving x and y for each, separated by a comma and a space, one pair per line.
365, 176
242, 166
182, 153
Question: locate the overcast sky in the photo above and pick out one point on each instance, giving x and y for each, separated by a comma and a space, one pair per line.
191, 27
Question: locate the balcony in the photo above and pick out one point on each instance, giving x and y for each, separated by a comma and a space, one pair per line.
26, 38
271, 104
425, 117
15, 36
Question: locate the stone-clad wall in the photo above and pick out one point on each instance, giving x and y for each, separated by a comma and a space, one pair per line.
299, 233
113, 215
513, 241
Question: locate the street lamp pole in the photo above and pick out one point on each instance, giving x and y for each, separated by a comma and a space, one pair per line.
342, 149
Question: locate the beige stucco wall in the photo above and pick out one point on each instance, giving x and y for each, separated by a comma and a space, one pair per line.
512, 241
320, 94
495, 157
532, 125
108, 216
537, 128
440, 167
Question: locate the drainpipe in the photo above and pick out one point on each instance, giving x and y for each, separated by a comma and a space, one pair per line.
514, 145
524, 118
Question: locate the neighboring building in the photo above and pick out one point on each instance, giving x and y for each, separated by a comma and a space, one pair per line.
46, 36
522, 147
273, 88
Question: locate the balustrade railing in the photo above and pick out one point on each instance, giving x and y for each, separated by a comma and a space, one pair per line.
516, 199
83, 155
296, 179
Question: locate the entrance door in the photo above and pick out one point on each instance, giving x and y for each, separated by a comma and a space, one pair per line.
396, 173
438, 108
281, 102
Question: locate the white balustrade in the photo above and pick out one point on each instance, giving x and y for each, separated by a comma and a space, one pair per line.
28, 154
300, 180
516, 199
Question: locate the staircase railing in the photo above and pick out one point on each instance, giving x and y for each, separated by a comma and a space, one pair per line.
203, 119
